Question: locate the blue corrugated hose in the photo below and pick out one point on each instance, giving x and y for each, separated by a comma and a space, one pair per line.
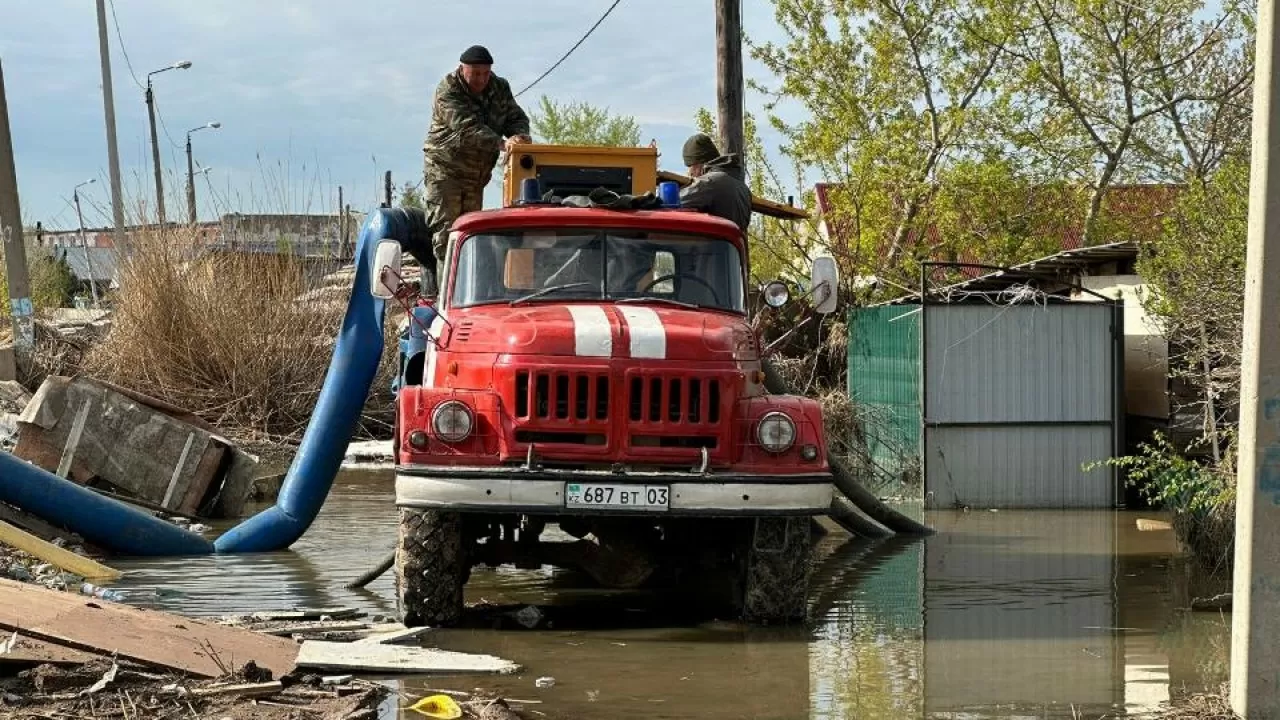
118, 527
346, 386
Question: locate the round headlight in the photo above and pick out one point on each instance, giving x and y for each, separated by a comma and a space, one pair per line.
452, 421
776, 432
776, 294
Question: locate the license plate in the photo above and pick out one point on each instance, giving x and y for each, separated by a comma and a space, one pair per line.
616, 496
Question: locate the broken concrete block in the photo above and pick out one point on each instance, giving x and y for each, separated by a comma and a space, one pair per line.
81, 430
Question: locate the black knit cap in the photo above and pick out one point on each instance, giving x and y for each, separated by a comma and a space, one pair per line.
476, 55
699, 149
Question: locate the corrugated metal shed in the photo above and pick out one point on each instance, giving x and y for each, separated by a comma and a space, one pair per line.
1018, 399
884, 382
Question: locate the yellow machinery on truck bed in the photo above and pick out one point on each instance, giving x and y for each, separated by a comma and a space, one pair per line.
578, 169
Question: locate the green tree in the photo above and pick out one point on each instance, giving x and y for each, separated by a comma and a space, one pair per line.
894, 90
1195, 277
579, 123
411, 196
1101, 86
51, 281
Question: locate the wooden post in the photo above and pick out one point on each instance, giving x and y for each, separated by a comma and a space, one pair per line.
15, 251
109, 113
386, 203
729, 86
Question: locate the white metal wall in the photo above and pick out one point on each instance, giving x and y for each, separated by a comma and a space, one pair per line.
1016, 400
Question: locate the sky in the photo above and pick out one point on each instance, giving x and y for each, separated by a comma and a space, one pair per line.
316, 94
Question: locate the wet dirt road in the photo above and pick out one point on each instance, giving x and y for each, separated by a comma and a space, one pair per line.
1009, 614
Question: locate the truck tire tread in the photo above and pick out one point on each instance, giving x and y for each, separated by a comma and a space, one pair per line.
431, 568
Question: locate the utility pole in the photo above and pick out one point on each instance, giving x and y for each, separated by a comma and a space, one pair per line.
15, 252
386, 203
84, 243
342, 228
1255, 616
109, 111
155, 154
729, 87
191, 185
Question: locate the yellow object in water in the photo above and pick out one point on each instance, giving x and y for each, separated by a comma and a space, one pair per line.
438, 706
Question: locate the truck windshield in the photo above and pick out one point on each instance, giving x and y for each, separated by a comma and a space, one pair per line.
619, 265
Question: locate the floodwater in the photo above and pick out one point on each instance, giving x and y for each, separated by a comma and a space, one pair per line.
1000, 615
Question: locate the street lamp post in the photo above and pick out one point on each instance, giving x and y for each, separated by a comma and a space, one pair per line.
155, 143
84, 242
191, 182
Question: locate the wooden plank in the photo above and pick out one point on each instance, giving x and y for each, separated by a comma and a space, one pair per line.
77, 429
30, 650
309, 627
203, 477
336, 613
40, 448
50, 553
246, 690
396, 636
42, 528
758, 204
145, 636
373, 658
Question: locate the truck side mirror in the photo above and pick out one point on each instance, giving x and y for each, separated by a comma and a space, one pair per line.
385, 278
824, 281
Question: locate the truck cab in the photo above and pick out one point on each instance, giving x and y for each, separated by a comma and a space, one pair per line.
596, 371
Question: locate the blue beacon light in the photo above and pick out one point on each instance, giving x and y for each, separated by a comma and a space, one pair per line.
669, 193
530, 192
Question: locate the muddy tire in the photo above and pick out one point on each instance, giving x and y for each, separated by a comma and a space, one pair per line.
431, 568
776, 586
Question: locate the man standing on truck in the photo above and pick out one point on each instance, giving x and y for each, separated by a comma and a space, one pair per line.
472, 113
718, 186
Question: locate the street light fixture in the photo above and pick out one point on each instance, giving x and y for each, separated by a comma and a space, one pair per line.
84, 243
191, 183
155, 144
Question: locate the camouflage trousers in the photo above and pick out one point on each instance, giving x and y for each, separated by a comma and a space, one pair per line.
446, 201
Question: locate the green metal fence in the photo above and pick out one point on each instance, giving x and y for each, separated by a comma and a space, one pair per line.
884, 384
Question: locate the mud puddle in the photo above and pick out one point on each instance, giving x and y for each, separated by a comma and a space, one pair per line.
1001, 615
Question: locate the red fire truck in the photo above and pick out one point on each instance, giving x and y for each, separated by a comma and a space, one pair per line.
585, 391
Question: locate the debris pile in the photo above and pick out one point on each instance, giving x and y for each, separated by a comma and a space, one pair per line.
104, 688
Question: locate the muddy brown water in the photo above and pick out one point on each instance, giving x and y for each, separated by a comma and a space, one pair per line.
1001, 615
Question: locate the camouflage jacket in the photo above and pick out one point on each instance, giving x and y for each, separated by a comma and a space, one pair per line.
467, 129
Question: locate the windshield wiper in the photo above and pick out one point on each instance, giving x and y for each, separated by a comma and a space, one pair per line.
669, 301
549, 290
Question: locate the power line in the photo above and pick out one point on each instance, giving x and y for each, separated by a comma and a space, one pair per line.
116, 21
575, 47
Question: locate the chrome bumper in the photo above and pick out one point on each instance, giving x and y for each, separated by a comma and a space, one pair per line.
542, 492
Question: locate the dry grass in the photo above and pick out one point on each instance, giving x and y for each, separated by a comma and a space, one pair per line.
221, 335
1210, 536
1203, 706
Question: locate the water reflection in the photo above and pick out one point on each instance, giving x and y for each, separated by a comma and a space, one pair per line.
1000, 615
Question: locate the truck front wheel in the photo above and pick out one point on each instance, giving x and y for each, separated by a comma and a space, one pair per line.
777, 571
431, 568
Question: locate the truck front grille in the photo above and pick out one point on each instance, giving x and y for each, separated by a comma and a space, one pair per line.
554, 395
656, 399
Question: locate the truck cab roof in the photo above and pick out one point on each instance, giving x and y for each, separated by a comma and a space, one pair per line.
536, 216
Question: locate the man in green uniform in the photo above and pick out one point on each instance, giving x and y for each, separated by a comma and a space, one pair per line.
474, 116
